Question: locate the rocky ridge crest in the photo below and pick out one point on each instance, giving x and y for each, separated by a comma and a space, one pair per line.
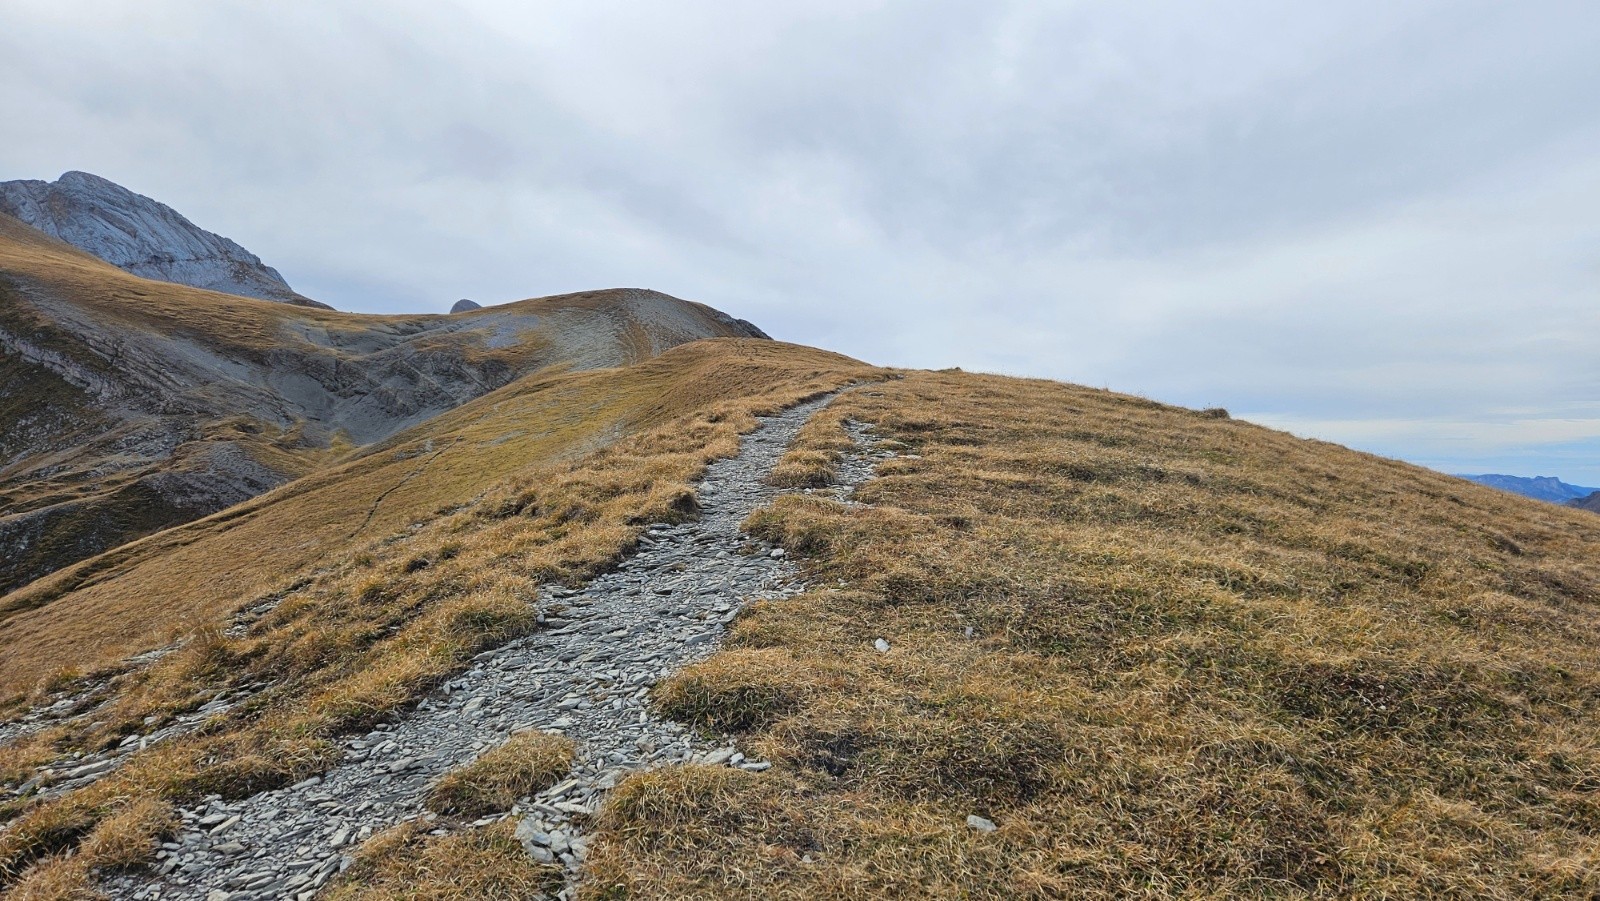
140, 235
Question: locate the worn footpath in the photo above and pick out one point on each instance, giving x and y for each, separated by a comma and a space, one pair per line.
587, 675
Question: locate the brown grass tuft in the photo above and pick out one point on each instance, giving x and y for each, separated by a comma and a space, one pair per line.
129, 837
527, 763
50, 852
738, 690
60, 878
817, 450
406, 864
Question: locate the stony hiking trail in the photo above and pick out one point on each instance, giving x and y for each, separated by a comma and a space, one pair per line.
586, 674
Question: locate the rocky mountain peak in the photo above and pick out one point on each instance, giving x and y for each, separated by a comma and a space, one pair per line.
140, 235
465, 306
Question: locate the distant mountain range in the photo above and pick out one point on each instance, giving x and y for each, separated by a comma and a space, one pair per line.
1544, 488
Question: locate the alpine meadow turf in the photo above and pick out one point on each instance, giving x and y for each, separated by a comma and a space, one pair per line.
1169, 655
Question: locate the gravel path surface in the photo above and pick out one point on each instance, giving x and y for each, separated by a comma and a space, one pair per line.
587, 675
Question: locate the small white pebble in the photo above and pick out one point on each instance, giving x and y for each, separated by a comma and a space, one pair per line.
881, 645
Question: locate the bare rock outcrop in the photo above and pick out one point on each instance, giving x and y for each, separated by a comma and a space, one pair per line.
142, 236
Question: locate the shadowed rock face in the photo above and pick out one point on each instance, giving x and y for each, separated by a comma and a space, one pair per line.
466, 306
142, 236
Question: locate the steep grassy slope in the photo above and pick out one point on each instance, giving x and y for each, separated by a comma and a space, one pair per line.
133, 405
384, 576
1169, 655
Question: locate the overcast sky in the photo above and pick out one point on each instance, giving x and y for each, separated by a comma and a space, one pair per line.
1372, 222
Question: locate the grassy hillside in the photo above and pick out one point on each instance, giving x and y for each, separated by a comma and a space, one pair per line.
152, 591
1169, 655
1166, 653
384, 575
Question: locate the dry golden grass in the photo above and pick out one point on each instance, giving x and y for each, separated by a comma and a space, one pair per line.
19, 759
95, 495
527, 763
61, 878
1205, 659
149, 592
125, 838
743, 688
243, 327
382, 612
405, 864
818, 448
128, 838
